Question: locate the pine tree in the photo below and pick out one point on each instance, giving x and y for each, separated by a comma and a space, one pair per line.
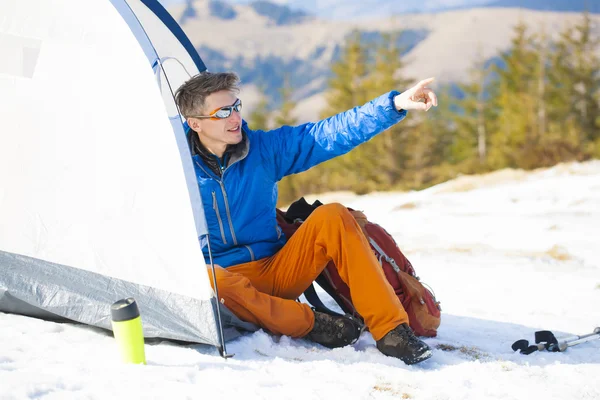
345, 91
290, 187
428, 145
473, 119
576, 76
284, 114
375, 165
542, 83
556, 137
259, 117
513, 140
386, 72
346, 87
386, 152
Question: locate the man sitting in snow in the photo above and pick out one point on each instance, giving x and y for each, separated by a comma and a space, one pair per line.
259, 274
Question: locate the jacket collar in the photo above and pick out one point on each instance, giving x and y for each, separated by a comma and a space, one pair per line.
232, 154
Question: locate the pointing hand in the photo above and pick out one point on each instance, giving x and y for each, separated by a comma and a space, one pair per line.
418, 97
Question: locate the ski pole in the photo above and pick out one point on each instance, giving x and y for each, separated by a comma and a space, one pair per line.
573, 341
547, 340
524, 347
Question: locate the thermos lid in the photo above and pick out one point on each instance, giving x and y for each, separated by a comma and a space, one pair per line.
124, 310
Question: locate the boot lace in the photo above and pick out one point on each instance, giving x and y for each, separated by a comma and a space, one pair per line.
407, 336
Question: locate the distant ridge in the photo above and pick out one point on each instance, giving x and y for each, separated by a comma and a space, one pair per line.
266, 49
592, 6
360, 9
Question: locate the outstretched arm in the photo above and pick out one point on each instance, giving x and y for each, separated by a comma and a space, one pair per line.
290, 150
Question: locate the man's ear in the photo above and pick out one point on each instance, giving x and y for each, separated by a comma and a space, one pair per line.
194, 124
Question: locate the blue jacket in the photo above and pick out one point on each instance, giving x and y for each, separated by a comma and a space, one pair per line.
240, 205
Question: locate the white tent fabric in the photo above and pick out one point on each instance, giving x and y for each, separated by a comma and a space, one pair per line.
96, 181
175, 65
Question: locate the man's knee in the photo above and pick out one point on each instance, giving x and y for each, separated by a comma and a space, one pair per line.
218, 270
331, 210
228, 281
222, 276
338, 215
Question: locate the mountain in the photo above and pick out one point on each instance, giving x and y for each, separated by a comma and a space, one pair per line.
266, 51
347, 9
592, 6
276, 13
280, 14
354, 10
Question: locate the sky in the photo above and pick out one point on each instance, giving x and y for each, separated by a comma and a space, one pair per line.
507, 254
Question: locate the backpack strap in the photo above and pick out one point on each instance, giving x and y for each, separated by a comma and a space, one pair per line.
313, 298
382, 254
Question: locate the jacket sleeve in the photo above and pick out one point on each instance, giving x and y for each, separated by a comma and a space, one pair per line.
289, 150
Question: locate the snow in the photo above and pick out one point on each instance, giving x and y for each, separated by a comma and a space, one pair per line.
508, 254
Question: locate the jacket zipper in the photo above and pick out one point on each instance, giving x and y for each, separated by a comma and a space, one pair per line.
227, 212
227, 201
216, 208
215, 204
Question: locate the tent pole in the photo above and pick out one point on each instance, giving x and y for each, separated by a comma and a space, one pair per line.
222, 349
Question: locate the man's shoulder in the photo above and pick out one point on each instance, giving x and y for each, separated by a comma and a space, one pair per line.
255, 137
251, 133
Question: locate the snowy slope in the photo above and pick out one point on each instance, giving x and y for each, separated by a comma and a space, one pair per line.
507, 253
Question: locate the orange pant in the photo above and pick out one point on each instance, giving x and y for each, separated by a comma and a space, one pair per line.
264, 291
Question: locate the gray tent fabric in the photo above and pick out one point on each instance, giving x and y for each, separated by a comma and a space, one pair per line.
63, 293
12, 305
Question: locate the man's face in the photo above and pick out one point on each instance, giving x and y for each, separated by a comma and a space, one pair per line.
216, 132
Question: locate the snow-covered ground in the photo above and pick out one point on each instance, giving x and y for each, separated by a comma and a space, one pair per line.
508, 254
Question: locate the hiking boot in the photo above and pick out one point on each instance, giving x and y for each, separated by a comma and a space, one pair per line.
402, 343
334, 331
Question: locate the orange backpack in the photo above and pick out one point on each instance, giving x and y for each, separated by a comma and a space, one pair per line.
418, 300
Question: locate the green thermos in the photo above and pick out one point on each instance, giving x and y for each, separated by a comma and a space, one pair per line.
127, 329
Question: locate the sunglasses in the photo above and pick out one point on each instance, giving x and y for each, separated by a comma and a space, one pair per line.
223, 112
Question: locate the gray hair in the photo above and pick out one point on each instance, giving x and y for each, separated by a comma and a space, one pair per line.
191, 96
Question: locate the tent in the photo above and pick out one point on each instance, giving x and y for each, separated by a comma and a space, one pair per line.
98, 196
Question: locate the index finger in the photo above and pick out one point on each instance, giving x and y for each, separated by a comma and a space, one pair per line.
425, 82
